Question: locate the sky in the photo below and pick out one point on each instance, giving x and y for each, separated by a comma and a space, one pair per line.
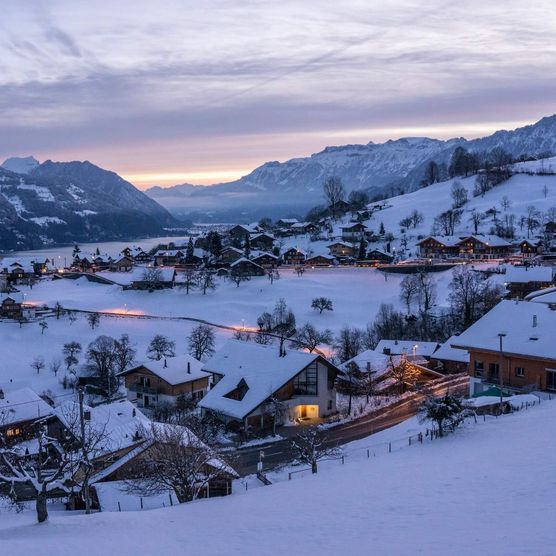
169, 92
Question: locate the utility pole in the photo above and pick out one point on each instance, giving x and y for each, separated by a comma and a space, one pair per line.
84, 454
500, 371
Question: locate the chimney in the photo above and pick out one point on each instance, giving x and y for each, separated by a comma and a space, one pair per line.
87, 415
1, 394
368, 366
534, 321
189, 367
165, 363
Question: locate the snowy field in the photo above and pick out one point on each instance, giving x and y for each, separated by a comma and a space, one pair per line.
485, 490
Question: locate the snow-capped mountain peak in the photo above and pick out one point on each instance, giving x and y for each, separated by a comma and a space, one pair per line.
21, 165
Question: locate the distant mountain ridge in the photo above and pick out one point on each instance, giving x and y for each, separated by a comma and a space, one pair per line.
297, 183
64, 202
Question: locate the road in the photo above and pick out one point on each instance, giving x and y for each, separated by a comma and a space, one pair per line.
280, 452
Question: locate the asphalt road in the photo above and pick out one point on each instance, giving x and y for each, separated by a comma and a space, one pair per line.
280, 452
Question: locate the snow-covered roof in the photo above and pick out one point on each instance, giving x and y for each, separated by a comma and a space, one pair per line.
301, 224
258, 254
22, 404
260, 367
448, 241
529, 328
17, 297
378, 362
447, 353
341, 243
401, 347
168, 252
119, 421
244, 260
323, 256
525, 274
492, 241
175, 371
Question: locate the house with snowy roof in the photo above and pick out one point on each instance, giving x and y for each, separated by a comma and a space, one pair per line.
152, 383
484, 247
294, 256
247, 377
20, 409
342, 249
438, 247
265, 259
262, 241
354, 231
513, 343
448, 359
409, 348
523, 280
246, 267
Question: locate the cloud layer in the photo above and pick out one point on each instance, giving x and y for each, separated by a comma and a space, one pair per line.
204, 90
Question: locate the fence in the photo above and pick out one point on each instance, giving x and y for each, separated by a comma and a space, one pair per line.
430, 435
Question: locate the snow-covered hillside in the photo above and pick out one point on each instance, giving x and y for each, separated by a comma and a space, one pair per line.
484, 490
521, 190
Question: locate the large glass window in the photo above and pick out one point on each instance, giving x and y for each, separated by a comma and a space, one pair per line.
551, 380
306, 382
493, 369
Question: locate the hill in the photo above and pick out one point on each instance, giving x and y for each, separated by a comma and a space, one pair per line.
64, 202
483, 490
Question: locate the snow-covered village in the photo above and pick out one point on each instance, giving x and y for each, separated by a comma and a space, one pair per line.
207, 351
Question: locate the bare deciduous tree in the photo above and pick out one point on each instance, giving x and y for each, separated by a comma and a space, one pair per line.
201, 341
310, 446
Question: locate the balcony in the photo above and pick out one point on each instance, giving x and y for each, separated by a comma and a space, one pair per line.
139, 388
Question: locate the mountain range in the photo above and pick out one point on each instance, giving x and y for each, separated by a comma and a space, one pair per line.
65, 202
394, 166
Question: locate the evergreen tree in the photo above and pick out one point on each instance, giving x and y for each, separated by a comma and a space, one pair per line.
382, 231
362, 254
190, 250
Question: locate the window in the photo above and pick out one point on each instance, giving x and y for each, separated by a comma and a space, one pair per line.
493, 370
306, 382
329, 405
551, 380
519, 371
479, 368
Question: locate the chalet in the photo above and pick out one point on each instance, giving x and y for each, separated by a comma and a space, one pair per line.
168, 257
408, 348
354, 231
523, 280
266, 260
20, 408
158, 278
339, 207
247, 375
320, 260
83, 263
294, 257
102, 262
18, 271
153, 383
513, 344
245, 267
342, 249
303, 228
449, 360
286, 223
530, 248
137, 254
262, 242
483, 247
121, 264
11, 305
240, 232
381, 257
230, 255
438, 247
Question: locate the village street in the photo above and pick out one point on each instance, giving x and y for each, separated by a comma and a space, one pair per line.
280, 452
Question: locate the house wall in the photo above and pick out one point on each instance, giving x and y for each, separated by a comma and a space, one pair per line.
535, 369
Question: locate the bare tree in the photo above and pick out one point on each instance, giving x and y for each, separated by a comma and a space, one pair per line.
72, 317
273, 274
349, 382
322, 304
152, 277
409, 288
459, 194
38, 364
476, 219
177, 460
334, 192
41, 475
283, 323
201, 341
426, 291
237, 277
403, 372
206, 280
348, 343
93, 319
101, 358
190, 280
447, 221
310, 338
161, 347
310, 447
55, 365
532, 220
71, 352
44, 325
277, 409
125, 353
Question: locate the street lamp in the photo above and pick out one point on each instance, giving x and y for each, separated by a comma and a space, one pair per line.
500, 370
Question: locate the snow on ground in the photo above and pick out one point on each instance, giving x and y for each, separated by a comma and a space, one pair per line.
484, 490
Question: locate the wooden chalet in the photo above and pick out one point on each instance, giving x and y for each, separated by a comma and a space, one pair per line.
230, 255
262, 242
169, 257
484, 247
342, 249
294, 257
354, 231
380, 257
266, 260
320, 260
246, 267
152, 383
438, 247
